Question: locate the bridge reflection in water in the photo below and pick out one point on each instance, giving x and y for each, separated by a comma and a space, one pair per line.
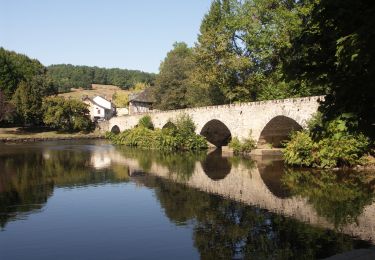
335, 201
262, 183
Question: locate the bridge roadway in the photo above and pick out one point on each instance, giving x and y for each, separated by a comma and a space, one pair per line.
269, 121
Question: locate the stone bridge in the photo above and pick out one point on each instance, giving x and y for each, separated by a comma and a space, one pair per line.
270, 122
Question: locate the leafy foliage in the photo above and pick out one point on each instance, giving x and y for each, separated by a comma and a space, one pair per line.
15, 68
173, 80
24, 83
335, 51
28, 100
240, 49
120, 99
337, 146
181, 138
244, 146
66, 115
6, 108
300, 149
146, 122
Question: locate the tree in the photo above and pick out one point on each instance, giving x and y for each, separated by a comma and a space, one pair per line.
6, 109
120, 99
335, 51
15, 68
28, 100
173, 80
239, 49
66, 115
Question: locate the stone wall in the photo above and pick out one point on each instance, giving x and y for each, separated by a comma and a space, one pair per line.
239, 118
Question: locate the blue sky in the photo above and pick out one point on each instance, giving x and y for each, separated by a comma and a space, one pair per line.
132, 34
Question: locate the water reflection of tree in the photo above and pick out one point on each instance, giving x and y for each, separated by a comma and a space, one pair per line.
224, 229
181, 164
28, 178
338, 196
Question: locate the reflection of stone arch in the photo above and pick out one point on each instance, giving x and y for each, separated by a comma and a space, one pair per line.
277, 130
271, 173
215, 166
115, 129
216, 132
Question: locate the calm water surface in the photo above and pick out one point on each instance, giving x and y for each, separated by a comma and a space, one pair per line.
91, 200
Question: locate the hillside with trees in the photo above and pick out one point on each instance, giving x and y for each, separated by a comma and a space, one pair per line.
67, 76
27, 88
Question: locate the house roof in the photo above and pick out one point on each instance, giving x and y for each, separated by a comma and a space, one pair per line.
103, 102
146, 96
93, 101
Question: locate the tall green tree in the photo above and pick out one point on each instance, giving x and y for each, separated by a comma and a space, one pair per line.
172, 82
14, 68
336, 51
28, 100
239, 49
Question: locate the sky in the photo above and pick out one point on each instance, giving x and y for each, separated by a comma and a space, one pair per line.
129, 34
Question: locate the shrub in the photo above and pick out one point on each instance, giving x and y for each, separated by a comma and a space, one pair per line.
299, 150
335, 147
182, 137
185, 125
146, 122
246, 146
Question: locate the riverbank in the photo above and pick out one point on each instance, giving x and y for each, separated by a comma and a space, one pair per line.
23, 135
368, 165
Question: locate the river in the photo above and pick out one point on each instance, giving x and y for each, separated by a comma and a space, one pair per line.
92, 200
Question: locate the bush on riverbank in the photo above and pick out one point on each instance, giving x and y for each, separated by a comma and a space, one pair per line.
66, 115
182, 137
335, 146
244, 146
146, 122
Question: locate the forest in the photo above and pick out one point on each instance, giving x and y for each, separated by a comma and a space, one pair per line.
67, 76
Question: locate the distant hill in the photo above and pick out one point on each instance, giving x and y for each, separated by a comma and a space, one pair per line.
67, 76
105, 91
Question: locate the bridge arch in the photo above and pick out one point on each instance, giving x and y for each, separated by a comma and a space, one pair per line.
169, 125
277, 130
115, 129
216, 132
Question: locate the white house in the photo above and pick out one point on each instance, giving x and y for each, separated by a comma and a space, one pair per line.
100, 108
